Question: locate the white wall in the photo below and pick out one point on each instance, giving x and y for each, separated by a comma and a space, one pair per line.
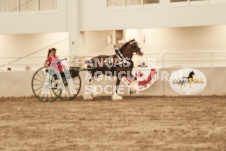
164, 40
19, 84
160, 41
95, 43
96, 16
24, 44
16, 84
93, 15
34, 22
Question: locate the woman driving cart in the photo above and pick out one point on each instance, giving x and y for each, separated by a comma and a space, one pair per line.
53, 61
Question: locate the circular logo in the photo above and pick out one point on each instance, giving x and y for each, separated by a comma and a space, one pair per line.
145, 78
188, 81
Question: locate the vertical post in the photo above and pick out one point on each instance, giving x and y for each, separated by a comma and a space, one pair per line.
164, 3
58, 2
18, 6
163, 68
38, 5
212, 69
73, 26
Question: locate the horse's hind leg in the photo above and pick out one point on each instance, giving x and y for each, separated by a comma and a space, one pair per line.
115, 96
88, 93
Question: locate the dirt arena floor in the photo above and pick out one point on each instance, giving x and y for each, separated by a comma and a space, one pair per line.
134, 124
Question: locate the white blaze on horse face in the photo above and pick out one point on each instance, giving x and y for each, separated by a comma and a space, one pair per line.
132, 42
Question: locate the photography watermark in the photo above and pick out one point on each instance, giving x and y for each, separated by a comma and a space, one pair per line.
104, 70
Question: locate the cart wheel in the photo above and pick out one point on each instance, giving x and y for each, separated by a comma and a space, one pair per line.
45, 84
72, 87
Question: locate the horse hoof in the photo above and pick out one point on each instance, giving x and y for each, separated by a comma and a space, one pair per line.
116, 97
87, 97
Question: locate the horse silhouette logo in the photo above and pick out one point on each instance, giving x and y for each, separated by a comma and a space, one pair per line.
186, 80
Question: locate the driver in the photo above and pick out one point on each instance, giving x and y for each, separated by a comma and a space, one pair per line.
54, 61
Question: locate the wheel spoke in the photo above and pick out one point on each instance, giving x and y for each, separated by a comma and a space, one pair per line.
43, 95
40, 77
65, 95
68, 92
38, 80
58, 90
38, 88
47, 95
43, 75
51, 94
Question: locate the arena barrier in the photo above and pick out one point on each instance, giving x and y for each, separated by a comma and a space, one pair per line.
17, 82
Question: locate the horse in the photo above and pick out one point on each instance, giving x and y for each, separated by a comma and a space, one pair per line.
185, 80
120, 65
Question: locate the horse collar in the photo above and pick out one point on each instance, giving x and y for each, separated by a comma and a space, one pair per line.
119, 54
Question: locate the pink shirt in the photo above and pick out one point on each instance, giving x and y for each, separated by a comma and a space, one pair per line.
54, 62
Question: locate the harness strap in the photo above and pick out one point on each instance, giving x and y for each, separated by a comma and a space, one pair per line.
119, 54
121, 57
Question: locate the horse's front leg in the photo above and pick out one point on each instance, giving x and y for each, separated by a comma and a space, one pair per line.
133, 84
115, 95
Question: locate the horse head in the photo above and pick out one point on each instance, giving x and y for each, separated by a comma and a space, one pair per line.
132, 47
135, 47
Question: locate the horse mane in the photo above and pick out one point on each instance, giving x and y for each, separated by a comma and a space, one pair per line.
125, 45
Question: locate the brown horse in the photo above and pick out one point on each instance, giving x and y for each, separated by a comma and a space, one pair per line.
119, 65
